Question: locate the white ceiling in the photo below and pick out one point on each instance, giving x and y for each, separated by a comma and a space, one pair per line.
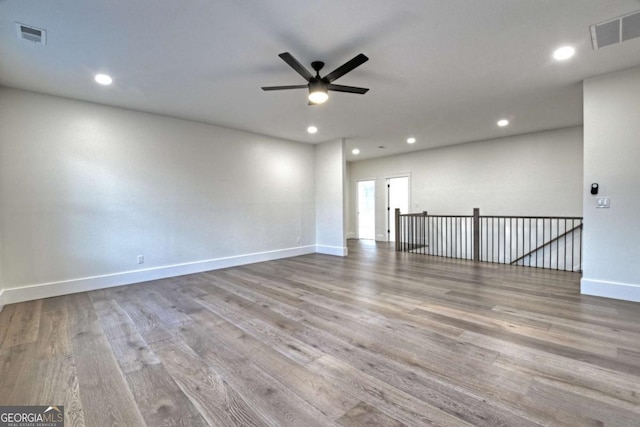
443, 71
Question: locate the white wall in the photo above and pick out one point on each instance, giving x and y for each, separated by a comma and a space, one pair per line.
1, 285
611, 159
533, 174
329, 202
1, 276
85, 188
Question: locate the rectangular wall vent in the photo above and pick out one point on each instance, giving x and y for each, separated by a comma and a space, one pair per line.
32, 34
616, 30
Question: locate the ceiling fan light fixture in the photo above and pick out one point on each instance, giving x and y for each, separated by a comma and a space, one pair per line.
318, 93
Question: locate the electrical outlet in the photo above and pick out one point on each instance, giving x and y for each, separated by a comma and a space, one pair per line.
140, 259
298, 240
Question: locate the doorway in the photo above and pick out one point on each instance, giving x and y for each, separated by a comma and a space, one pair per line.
366, 210
397, 198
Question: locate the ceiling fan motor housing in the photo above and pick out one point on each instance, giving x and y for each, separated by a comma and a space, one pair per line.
317, 85
317, 66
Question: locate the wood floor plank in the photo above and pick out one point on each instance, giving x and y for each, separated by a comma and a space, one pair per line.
16, 373
591, 411
5, 319
547, 334
294, 349
366, 415
128, 347
605, 334
312, 387
629, 356
147, 322
160, 399
105, 395
54, 339
56, 383
539, 363
398, 404
378, 337
266, 394
216, 400
394, 372
556, 348
24, 325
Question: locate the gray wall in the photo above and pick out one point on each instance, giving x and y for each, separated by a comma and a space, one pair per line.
329, 181
611, 157
85, 188
533, 174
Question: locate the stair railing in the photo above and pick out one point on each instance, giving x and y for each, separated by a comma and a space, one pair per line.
542, 242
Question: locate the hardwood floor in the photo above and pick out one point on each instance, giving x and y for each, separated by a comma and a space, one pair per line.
377, 338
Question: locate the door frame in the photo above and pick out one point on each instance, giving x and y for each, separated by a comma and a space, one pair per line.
357, 205
389, 215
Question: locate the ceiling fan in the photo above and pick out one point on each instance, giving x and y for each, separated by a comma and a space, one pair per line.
319, 86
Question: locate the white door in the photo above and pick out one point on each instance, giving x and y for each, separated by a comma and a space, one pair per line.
366, 210
397, 198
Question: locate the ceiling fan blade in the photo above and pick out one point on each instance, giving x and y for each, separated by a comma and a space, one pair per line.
346, 67
350, 89
293, 63
285, 87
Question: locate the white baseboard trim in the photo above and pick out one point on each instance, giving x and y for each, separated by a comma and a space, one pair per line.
52, 289
599, 288
332, 250
351, 235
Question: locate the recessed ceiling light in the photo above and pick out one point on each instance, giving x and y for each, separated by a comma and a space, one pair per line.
502, 123
411, 140
355, 151
103, 79
312, 129
563, 53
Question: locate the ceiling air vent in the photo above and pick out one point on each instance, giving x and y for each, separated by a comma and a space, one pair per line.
617, 30
32, 34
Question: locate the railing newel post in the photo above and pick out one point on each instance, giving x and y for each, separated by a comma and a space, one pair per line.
397, 229
476, 234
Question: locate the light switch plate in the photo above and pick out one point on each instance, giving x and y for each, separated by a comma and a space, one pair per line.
602, 203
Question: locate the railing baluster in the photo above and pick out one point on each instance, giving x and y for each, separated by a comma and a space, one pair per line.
550, 237
529, 248
511, 239
557, 244
519, 238
543, 237
564, 258
451, 238
498, 240
537, 236
573, 243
